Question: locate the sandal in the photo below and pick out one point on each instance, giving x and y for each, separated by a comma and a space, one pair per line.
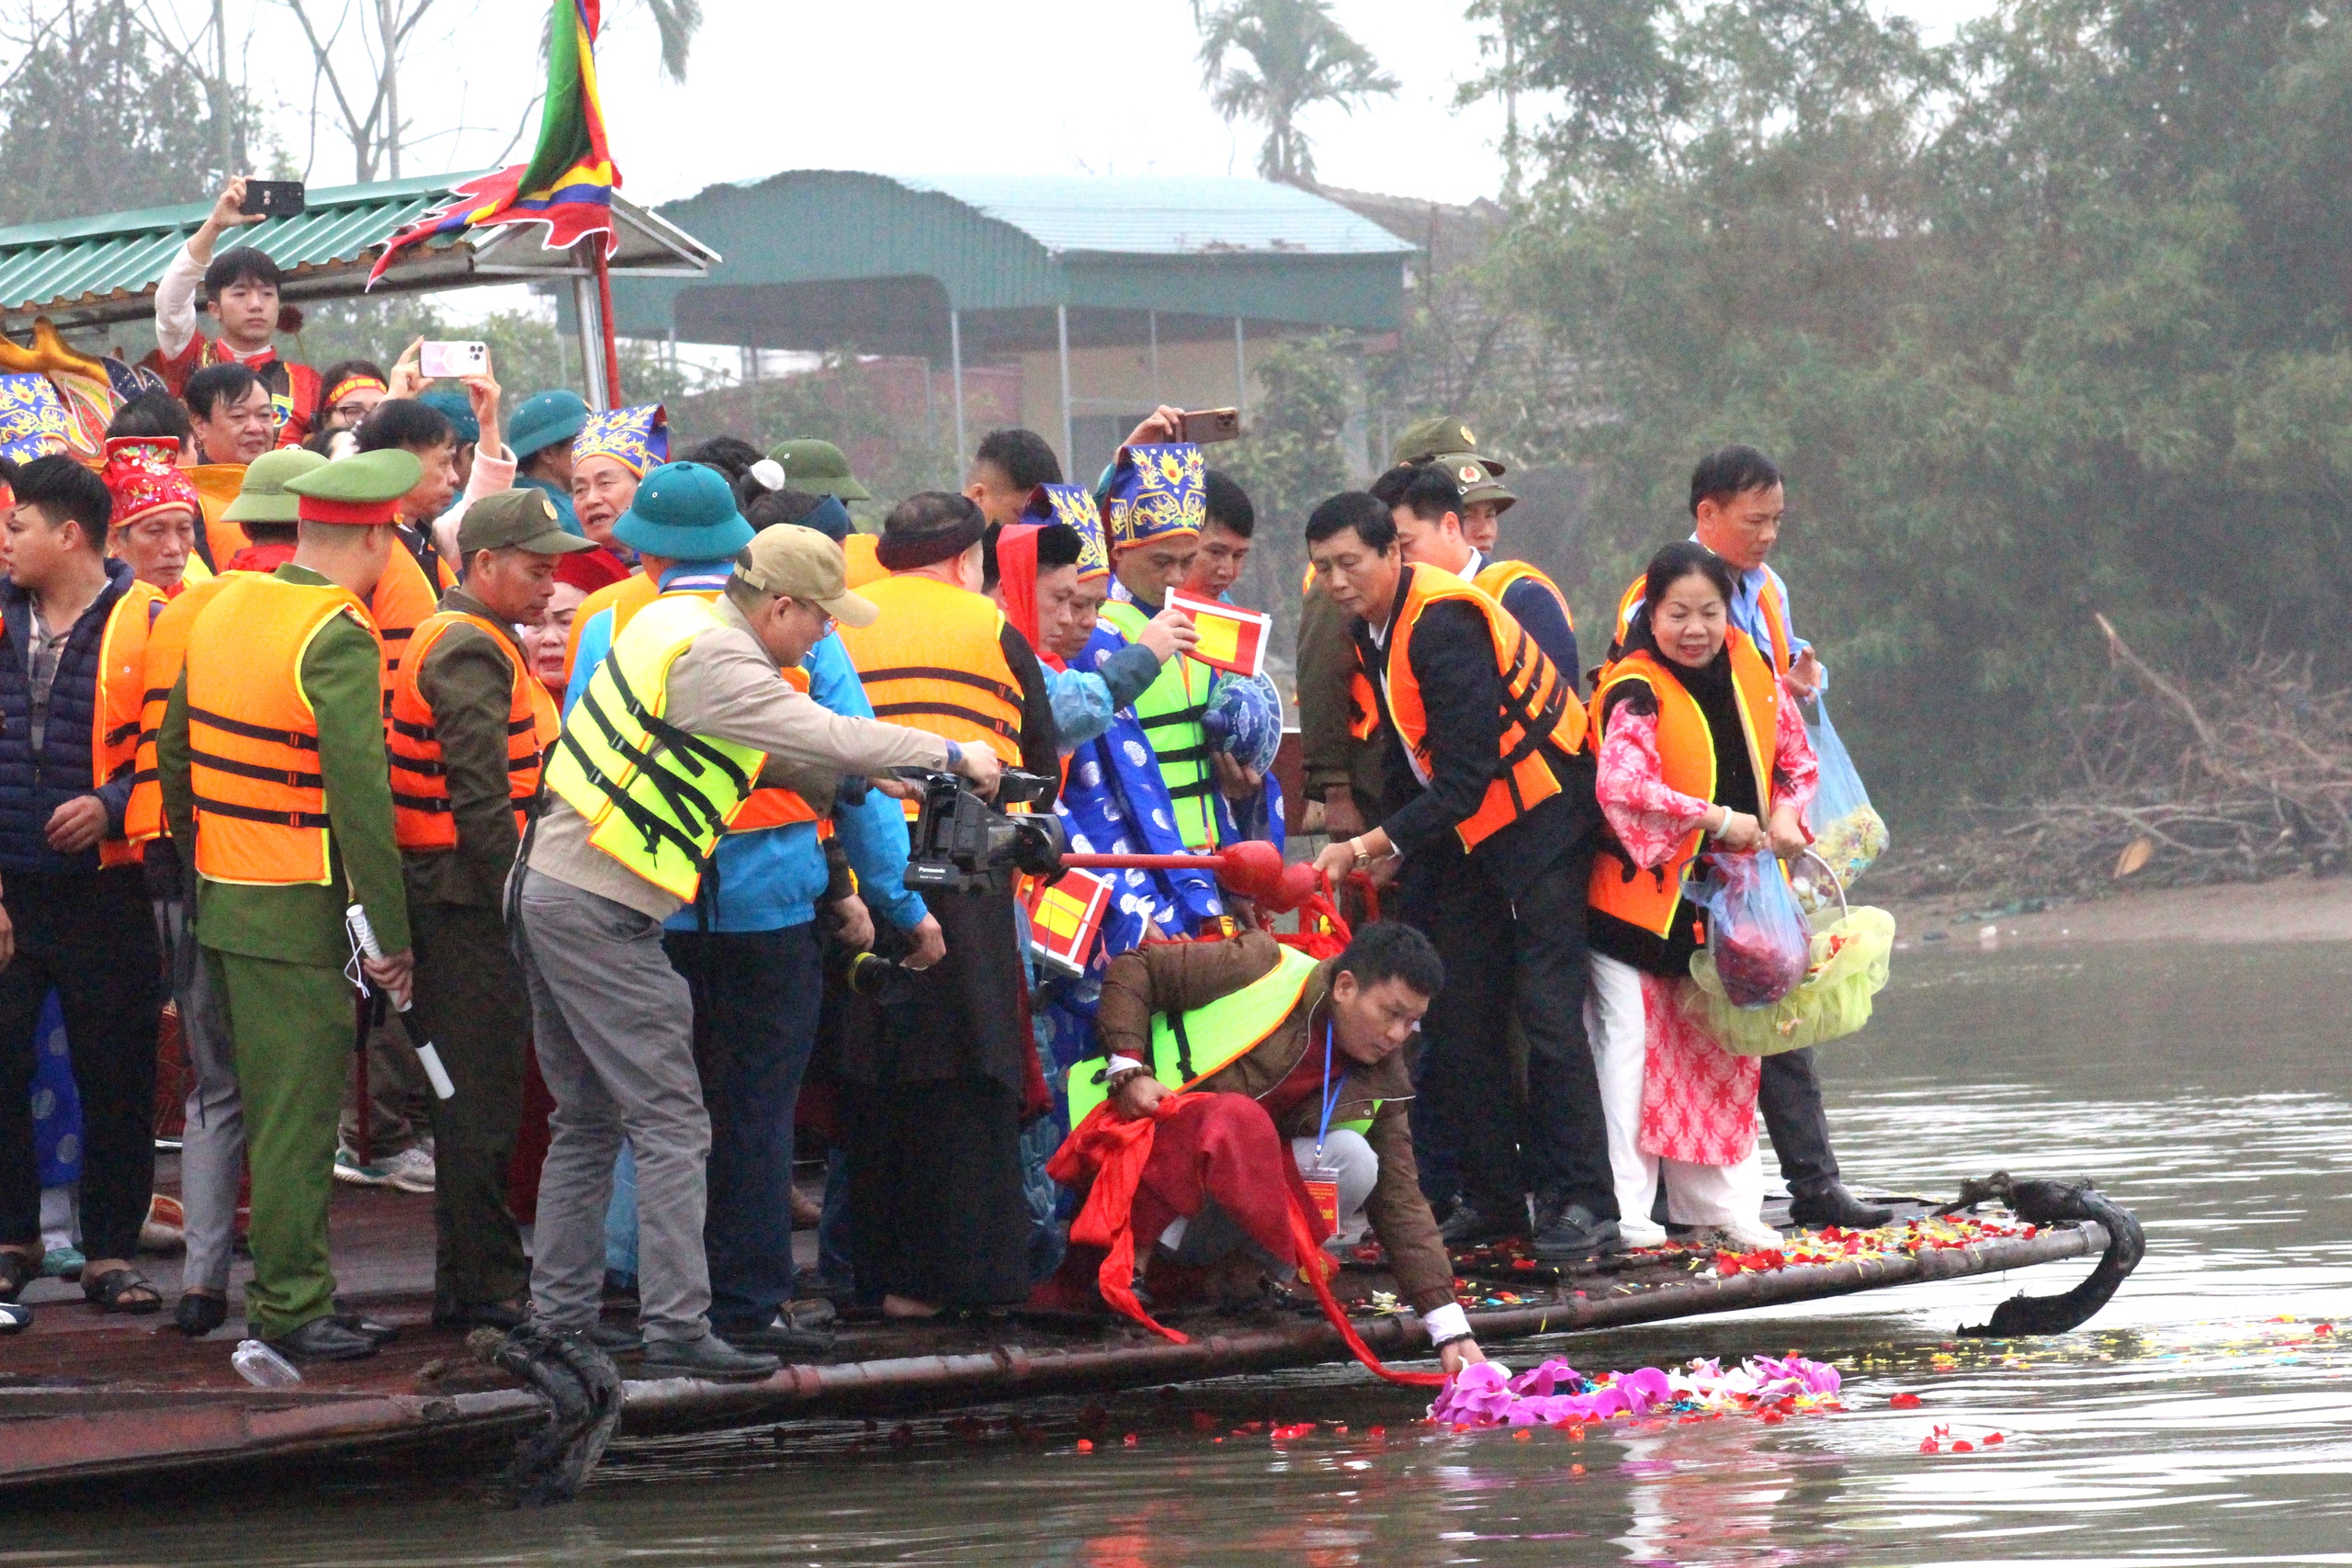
17, 1271
115, 1291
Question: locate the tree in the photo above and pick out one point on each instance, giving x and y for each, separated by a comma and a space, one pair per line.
1302, 57
92, 121
2044, 320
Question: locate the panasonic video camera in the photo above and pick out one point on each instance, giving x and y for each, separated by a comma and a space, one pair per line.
964, 845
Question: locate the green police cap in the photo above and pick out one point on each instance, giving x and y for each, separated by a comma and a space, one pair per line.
521, 519
359, 491
1475, 476
263, 497
1427, 438
818, 467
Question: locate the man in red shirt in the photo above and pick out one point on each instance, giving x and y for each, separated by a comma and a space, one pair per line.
241, 287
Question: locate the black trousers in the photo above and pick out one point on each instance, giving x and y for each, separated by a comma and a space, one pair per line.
936, 1206
1790, 1094
91, 940
1508, 960
472, 1001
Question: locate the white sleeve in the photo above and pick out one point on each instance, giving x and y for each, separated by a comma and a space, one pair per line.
1448, 1322
175, 304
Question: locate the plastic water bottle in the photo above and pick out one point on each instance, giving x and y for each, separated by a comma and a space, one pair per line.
263, 1367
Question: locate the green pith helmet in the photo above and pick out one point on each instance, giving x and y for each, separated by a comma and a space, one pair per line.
820, 467
1428, 438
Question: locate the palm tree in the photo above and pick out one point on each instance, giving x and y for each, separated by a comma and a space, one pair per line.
1302, 58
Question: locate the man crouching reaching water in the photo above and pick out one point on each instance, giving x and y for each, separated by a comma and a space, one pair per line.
1273, 1045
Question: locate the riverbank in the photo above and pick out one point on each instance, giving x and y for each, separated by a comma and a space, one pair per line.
2292, 908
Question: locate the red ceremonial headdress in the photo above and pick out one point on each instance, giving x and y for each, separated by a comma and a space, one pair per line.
144, 475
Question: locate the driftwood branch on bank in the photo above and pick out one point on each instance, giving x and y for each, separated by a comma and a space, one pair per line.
2167, 781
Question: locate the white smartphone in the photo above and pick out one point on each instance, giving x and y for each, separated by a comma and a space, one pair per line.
455, 359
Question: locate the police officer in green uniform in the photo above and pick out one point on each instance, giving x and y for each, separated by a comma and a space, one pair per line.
271, 761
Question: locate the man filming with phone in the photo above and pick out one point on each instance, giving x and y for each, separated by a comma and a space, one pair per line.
241, 294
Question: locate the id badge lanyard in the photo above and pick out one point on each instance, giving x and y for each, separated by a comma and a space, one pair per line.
1331, 1092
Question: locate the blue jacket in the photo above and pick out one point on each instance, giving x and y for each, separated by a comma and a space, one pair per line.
772, 879
32, 787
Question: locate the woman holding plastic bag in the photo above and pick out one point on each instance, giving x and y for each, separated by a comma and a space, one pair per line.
1700, 753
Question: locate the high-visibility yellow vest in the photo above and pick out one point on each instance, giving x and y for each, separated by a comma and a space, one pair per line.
1169, 713
1191, 1045
656, 797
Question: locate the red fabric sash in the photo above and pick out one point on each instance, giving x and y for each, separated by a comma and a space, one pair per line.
1114, 1152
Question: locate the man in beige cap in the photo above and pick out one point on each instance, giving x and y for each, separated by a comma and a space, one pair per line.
681, 722
468, 725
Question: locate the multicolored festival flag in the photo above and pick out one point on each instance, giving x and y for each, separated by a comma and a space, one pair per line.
1232, 639
568, 185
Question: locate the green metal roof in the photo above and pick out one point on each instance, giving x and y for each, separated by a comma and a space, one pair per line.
89, 271
880, 260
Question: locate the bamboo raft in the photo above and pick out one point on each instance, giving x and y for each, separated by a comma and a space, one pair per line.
91, 1399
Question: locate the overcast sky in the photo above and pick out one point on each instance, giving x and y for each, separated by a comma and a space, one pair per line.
925, 86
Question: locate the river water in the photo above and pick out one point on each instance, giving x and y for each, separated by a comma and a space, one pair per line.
2200, 1419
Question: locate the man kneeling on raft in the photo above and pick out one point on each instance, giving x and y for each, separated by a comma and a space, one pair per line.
1273, 1048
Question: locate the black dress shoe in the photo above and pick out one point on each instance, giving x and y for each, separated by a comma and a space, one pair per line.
1467, 1227
197, 1314
1833, 1205
1578, 1235
325, 1339
779, 1335
711, 1358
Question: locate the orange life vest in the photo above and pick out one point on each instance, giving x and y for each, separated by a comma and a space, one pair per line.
261, 799
117, 711
1776, 618
1686, 755
421, 810
858, 557
167, 651
934, 662
1540, 712
402, 599
1496, 575
623, 598
769, 807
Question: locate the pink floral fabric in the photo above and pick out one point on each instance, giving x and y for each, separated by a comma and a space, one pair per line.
1648, 817
1697, 1099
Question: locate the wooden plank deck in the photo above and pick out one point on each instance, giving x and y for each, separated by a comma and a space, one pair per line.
85, 1396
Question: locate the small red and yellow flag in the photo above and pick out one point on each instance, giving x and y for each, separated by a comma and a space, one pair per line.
1065, 917
1232, 639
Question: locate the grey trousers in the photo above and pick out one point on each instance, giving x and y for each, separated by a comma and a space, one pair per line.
614, 1024
212, 1148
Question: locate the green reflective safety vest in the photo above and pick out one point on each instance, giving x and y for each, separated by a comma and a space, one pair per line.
1169, 712
1189, 1046
656, 799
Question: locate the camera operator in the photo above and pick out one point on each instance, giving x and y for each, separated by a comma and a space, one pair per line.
690, 696
934, 1087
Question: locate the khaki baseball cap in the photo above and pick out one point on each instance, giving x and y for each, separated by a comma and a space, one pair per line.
800, 563
521, 519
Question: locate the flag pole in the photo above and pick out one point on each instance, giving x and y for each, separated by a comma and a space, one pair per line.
605, 319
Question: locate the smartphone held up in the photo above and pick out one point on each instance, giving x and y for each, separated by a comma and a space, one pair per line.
453, 360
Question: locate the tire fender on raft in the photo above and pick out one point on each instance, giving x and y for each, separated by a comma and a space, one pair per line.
2044, 1202
583, 1394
